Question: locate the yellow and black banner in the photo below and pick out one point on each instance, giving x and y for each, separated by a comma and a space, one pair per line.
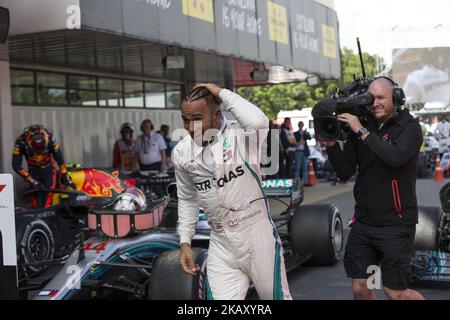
329, 41
200, 9
301, 34
278, 23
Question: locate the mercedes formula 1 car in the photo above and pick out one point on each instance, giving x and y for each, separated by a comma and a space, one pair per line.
432, 241
134, 254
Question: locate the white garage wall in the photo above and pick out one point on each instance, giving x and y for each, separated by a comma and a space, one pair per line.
87, 135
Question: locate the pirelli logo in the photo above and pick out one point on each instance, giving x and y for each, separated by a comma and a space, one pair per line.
200, 9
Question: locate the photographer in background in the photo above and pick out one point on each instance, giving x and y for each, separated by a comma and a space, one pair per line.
288, 144
301, 153
386, 211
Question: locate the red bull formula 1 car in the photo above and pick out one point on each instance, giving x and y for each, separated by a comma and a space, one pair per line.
46, 236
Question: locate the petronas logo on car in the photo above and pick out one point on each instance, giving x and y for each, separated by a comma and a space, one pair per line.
277, 183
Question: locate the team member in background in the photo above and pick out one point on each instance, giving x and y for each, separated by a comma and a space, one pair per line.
41, 151
125, 156
151, 148
164, 131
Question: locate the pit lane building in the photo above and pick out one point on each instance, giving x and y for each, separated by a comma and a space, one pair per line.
83, 67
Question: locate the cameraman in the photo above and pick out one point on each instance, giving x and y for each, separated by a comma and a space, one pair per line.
386, 210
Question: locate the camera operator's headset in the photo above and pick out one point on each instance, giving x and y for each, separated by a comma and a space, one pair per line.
398, 94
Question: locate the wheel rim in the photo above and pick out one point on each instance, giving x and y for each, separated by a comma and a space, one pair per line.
338, 235
38, 246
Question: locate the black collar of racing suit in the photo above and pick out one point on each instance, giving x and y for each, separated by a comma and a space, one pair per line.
214, 139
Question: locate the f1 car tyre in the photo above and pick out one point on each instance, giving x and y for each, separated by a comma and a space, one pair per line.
35, 243
317, 230
427, 230
168, 281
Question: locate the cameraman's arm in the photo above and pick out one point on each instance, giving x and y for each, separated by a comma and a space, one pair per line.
343, 161
397, 153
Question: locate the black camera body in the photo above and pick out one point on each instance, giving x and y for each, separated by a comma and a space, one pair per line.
355, 100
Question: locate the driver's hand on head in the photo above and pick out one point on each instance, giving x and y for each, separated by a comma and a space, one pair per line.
187, 261
213, 88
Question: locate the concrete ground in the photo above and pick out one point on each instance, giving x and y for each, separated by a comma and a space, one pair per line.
331, 283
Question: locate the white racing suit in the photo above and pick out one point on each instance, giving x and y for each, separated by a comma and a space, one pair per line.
224, 179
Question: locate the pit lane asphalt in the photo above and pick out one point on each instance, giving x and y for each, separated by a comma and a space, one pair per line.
331, 283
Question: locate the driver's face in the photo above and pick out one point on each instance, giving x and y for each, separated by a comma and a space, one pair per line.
198, 118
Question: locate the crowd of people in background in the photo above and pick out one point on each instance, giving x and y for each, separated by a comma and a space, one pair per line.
151, 151
295, 154
436, 132
294, 151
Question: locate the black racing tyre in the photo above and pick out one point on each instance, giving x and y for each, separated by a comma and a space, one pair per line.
35, 243
317, 230
168, 281
427, 230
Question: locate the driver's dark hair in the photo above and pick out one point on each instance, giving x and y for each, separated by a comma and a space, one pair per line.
202, 93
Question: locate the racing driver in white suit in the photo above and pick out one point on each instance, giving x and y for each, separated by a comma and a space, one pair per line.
216, 173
